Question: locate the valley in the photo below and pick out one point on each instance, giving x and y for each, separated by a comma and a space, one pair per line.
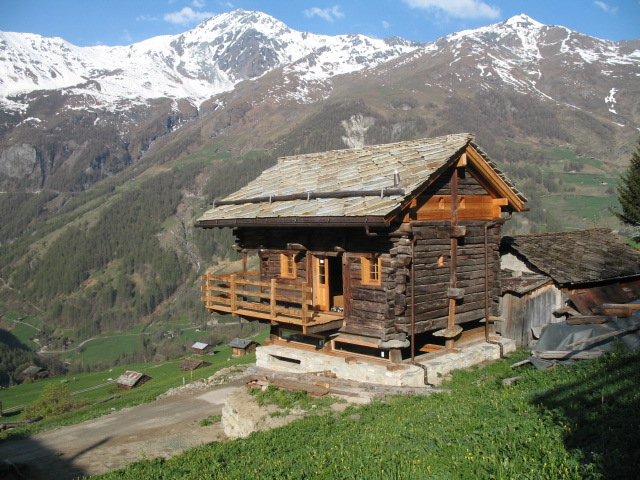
104, 170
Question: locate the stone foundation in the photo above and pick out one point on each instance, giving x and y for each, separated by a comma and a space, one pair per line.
287, 359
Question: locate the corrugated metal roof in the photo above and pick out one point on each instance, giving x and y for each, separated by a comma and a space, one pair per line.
366, 174
578, 257
199, 345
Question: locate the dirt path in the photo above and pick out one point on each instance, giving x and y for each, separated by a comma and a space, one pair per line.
164, 428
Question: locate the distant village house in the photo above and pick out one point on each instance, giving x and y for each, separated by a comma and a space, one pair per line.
131, 379
241, 347
201, 348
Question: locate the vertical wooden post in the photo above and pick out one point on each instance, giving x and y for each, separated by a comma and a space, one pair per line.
244, 264
451, 320
346, 285
305, 306
272, 299
309, 273
233, 294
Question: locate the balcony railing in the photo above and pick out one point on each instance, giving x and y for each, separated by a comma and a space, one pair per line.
245, 295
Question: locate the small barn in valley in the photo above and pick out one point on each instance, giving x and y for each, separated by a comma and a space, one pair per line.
131, 379
557, 271
242, 346
383, 252
34, 372
201, 348
190, 364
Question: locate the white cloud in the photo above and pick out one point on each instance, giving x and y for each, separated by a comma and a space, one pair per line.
146, 18
198, 3
385, 24
329, 14
186, 16
458, 8
605, 7
126, 37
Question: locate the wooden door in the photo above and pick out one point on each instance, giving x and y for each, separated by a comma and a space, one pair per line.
321, 283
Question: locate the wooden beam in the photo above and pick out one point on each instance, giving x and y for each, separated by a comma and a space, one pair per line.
490, 180
604, 336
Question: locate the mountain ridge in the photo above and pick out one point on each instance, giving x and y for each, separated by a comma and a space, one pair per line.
195, 65
97, 200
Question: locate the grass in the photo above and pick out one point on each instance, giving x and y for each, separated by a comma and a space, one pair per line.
165, 375
572, 422
105, 348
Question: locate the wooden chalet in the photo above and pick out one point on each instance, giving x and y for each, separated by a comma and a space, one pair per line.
242, 346
190, 364
563, 271
131, 379
201, 348
381, 251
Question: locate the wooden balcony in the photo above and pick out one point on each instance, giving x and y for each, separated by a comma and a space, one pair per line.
245, 295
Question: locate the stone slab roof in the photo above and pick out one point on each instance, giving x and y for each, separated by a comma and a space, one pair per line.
239, 343
130, 378
345, 186
584, 256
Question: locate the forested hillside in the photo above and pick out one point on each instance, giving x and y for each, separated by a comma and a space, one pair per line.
98, 203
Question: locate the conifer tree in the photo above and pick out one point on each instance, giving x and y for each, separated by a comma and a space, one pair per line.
629, 195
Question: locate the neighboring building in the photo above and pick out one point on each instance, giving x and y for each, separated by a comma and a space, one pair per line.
544, 272
368, 251
35, 373
190, 364
131, 379
242, 346
200, 347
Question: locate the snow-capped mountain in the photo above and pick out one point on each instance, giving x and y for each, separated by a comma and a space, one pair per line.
75, 115
195, 65
206, 110
550, 62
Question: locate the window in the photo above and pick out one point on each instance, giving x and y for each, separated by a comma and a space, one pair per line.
288, 265
371, 271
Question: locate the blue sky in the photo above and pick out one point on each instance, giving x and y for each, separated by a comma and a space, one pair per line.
122, 22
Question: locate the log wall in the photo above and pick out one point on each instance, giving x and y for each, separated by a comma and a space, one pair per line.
383, 311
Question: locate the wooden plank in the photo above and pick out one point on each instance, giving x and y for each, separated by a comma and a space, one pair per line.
604, 336
564, 354
621, 310
588, 319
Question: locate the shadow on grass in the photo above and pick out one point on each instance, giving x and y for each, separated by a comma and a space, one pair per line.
29, 459
600, 412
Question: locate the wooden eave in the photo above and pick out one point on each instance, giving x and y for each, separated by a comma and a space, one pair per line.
409, 199
491, 181
370, 220
483, 173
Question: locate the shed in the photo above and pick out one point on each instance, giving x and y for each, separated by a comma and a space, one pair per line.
241, 347
190, 364
200, 347
131, 379
368, 251
544, 272
35, 373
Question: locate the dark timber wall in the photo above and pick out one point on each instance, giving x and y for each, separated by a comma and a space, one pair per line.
383, 311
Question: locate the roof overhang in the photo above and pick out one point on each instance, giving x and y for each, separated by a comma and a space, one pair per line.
491, 181
327, 222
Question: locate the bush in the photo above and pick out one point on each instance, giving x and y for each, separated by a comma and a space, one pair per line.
54, 400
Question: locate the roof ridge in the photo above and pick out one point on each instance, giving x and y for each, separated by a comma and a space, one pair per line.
332, 153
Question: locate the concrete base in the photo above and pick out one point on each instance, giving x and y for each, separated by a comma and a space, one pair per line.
287, 359
474, 354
